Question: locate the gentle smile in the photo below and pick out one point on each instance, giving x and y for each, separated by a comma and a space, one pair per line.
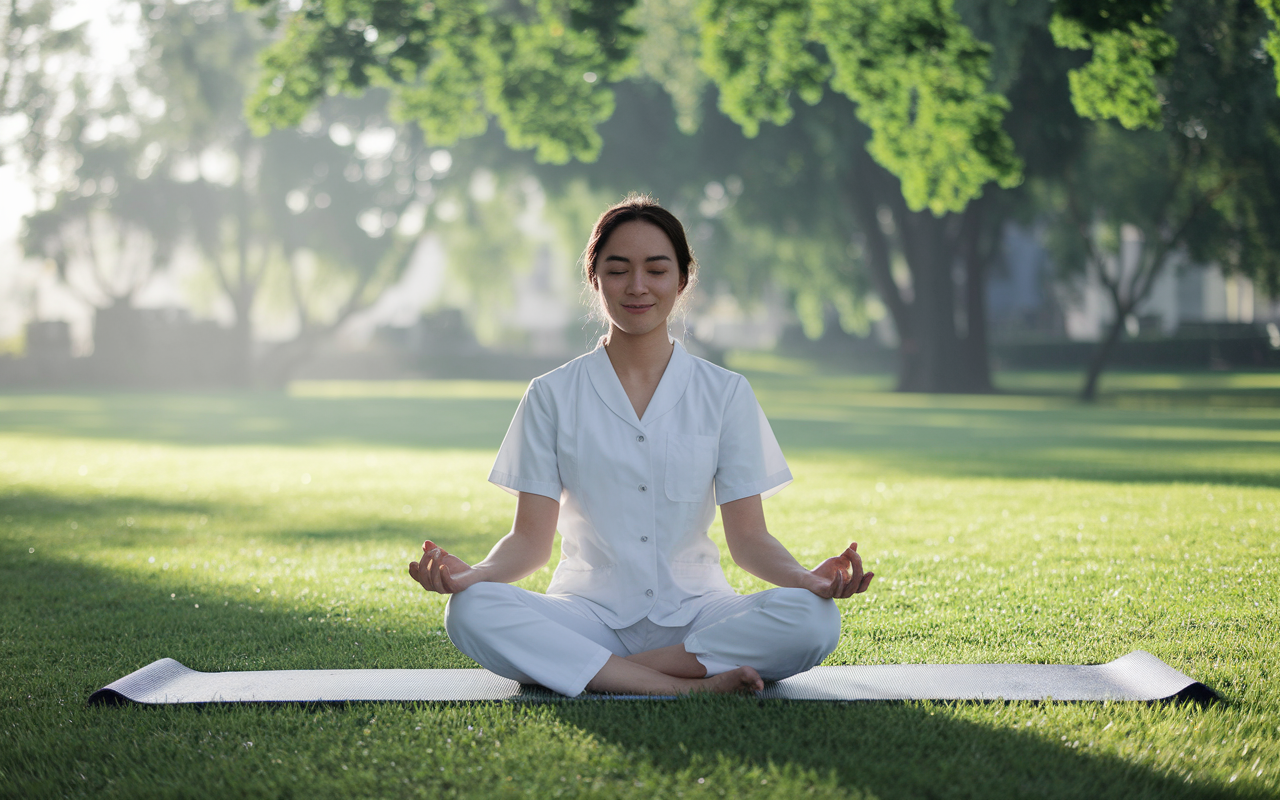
638, 309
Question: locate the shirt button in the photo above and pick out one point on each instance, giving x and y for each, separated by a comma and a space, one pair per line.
648, 593
644, 488
644, 538
640, 438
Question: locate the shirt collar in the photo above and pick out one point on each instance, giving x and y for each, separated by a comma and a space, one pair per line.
675, 379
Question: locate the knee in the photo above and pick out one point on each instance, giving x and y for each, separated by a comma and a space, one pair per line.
471, 608
814, 621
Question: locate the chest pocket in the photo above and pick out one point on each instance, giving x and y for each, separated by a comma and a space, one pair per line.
691, 466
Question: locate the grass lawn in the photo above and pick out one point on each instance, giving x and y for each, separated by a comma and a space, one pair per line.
268, 531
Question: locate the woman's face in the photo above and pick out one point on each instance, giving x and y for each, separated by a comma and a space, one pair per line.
638, 278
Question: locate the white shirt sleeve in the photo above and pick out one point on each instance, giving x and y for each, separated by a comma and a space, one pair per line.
527, 460
750, 460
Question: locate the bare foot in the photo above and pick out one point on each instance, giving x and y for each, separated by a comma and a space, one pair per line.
742, 680
620, 676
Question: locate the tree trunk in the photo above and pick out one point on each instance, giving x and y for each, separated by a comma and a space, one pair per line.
879, 261
1089, 392
932, 356
241, 367
934, 303
975, 360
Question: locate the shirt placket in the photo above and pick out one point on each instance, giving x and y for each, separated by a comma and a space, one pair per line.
647, 531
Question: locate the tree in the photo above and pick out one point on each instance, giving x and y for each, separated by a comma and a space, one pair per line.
103, 226
1200, 180
38, 64
931, 93
253, 205
108, 225
930, 115
539, 68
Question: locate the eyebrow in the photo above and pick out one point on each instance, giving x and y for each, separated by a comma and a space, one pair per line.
626, 260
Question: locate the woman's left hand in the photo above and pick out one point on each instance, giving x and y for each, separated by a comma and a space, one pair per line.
842, 576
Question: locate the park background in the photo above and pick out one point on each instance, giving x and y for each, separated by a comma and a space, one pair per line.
274, 276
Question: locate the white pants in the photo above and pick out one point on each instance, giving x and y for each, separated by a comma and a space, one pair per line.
560, 643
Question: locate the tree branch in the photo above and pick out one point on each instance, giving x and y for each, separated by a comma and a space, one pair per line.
1094, 257
94, 259
1168, 244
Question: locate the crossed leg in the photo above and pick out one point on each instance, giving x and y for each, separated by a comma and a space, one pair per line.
744, 640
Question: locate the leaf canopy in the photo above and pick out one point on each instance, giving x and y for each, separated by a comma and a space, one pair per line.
538, 67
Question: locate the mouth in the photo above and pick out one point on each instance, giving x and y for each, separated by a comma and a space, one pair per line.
638, 309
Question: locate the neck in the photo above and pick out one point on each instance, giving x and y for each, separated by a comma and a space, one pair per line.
645, 353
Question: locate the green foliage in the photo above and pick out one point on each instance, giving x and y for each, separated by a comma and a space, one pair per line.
818, 267
1272, 9
916, 72
1129, 50
539, 68
919, 78
669, 53
756, 51
1208, 176
487, 248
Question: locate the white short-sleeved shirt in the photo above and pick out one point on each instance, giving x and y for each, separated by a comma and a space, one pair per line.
637, 496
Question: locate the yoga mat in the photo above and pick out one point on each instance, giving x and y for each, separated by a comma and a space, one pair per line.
1137, 676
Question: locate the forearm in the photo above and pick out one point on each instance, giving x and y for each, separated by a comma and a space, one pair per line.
756, 550
515, 556
527, 547
762, 555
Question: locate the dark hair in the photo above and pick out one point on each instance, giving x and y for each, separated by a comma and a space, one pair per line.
643, 208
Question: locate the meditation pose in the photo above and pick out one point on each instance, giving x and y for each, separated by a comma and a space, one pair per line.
628, 450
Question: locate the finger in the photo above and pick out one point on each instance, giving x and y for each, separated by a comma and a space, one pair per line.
866, 581
846, 588
855, 570
854, 556
436, 556
851, 588
431, 568
446, 581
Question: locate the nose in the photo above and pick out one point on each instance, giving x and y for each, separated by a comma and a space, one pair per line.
636, 283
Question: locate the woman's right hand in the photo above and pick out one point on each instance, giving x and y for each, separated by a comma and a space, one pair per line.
440, 571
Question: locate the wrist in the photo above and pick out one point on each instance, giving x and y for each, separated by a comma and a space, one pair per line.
815, 583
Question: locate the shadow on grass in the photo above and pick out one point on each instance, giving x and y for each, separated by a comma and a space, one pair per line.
130, 520
73, 627
881, 749
944, 436
263, 419
1036, 452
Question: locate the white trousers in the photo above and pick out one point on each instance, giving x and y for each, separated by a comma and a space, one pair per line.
560, 643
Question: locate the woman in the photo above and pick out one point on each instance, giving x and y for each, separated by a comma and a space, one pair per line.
627, 450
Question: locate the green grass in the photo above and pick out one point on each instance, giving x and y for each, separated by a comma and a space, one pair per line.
264, 531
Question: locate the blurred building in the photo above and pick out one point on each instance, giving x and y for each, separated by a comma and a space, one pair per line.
1194, 317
